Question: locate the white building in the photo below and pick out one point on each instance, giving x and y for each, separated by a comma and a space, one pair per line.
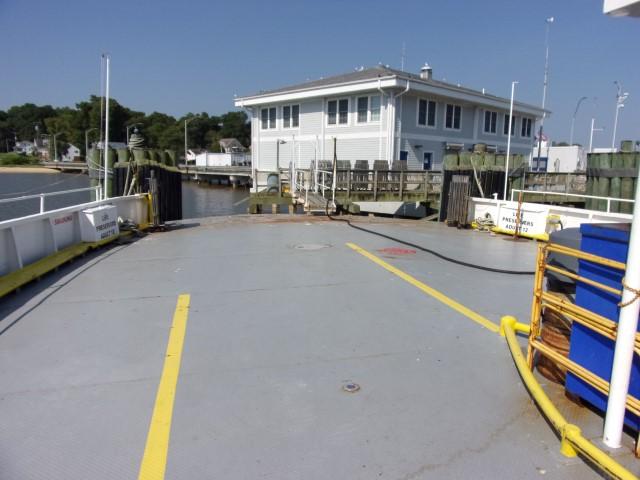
25, 147
73, 154
380, 114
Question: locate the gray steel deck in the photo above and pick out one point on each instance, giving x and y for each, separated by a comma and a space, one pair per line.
273, 333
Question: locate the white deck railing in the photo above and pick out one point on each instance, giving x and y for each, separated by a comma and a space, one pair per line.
43, 196
576, 195
28, 239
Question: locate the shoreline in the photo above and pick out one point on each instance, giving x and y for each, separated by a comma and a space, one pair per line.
27, 169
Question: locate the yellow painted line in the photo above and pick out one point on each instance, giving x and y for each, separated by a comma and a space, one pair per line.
458, 307
154, 461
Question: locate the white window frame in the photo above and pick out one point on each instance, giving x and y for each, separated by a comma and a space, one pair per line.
489, 132
357, 111
290, 126
367, 111
268, 109
379, 110
514, 126
433, 155
522, 120
444, 120
435, 113
338, 124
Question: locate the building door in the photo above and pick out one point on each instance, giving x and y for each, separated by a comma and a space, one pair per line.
427, 159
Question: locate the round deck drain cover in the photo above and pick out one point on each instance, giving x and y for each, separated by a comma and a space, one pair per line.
397, 251
311, 246
351, 387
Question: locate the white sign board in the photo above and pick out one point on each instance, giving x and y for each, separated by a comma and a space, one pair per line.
533, 221
99, 223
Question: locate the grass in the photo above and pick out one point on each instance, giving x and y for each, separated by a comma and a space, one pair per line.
15, 159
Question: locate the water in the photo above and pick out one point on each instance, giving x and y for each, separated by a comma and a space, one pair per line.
212, 200
19, 184
197, 200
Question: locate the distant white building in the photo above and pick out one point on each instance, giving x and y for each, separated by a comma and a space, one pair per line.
25, 147
72, 154
559, 159
209, 159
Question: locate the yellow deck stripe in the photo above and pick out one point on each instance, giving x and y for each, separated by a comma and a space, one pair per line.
458, 307
154, 461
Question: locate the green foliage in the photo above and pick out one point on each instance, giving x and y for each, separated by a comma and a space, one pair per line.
159, 130
11, 159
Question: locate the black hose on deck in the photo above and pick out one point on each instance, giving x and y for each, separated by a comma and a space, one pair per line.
427, 250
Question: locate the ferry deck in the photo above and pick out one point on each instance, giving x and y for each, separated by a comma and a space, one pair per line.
277, 347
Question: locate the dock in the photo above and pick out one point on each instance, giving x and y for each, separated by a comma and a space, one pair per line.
275, 347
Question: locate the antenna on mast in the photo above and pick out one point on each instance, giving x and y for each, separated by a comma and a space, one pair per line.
402, 57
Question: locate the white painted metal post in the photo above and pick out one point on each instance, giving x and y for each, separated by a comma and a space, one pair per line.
593, 120
506, 162
625, 338
42, 203
105, 146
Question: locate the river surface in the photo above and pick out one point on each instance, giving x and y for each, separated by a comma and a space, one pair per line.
197, 200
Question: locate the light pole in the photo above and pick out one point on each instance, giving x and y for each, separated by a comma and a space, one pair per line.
86, 141
186, 122
573, 119
506, 162
549, 21
620, 98
593, 129
128, 127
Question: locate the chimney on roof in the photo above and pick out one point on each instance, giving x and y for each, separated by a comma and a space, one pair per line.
426, 72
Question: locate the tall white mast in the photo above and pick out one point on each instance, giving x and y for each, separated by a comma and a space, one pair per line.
105, 146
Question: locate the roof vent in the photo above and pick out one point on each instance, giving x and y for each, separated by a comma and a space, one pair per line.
426, 72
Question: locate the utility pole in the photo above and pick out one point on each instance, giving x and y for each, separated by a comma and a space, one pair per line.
620, 98
506, 162
105, 146
544, 87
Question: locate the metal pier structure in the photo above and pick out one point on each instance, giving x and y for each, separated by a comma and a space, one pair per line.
276, 347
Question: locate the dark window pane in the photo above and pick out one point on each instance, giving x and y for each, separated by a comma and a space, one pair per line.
422, 112
456, 118
295, 115
363, 106
272, 117
332, 108
264, 114
431, 121
449, 117
343, 111
286, 116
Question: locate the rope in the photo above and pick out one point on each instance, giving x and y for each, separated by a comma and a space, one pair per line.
635, 291
427, 250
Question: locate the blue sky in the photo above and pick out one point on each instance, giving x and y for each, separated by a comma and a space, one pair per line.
181, 56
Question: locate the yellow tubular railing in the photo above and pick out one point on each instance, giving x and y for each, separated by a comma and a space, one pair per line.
571, 440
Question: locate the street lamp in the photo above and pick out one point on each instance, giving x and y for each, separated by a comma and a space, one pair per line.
620, 98
186, 122
506, 162
548, 21
86, 141
573, 119
128, 127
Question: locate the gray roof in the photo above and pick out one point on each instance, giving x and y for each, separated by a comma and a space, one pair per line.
380, 71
